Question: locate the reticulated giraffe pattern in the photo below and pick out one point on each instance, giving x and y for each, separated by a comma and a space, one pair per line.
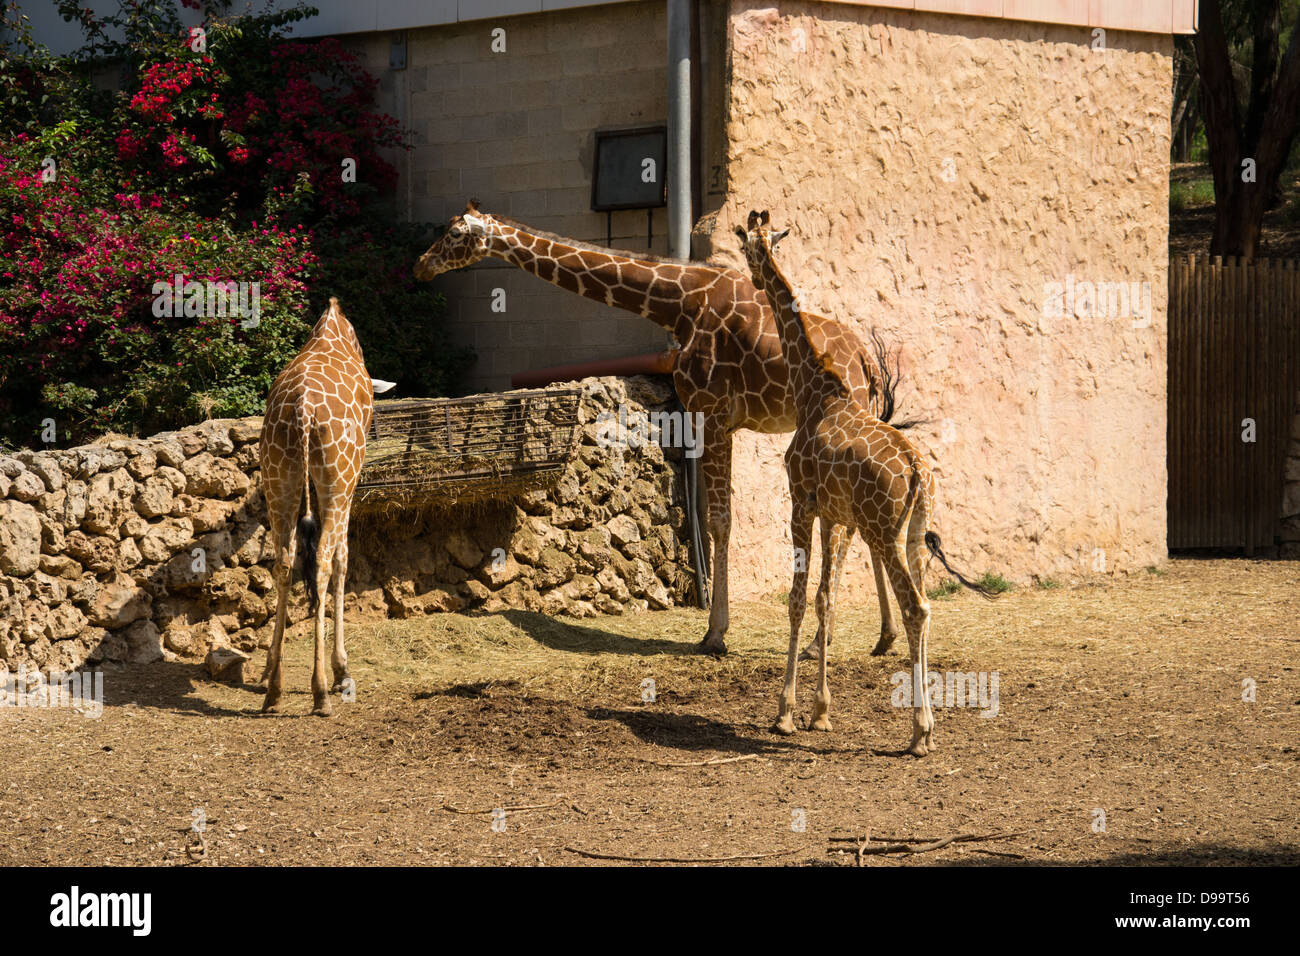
729, 367
848, 468
314, 439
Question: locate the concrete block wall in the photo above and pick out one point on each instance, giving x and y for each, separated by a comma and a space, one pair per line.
516, 130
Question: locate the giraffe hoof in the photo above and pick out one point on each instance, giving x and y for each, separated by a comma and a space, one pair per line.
341, 684
808, 654
884, 644
783, 726
820, 723
713, 644
270, 706
323, 709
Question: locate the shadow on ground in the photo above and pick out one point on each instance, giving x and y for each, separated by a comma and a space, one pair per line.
563, 635
1208, 854
171, 686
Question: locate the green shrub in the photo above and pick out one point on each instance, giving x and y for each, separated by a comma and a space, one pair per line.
945, 588
995, 582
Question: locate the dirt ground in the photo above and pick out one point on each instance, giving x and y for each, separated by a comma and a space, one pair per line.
1124, 698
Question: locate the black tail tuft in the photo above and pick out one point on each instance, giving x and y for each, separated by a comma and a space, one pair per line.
308, 538
936, 548
891, 376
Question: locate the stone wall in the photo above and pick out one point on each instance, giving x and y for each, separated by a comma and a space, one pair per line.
136, 550
938, 172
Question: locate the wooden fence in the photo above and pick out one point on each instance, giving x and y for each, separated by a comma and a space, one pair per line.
1234, 354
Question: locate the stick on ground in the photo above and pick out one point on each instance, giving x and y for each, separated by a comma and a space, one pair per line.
593, 855
537, 806
707, 763
864, 847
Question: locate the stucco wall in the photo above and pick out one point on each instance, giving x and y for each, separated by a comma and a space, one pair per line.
516, 131
1047, 435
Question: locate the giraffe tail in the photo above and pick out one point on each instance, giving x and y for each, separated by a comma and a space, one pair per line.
308, 539
891, 376
936, 548
308, 534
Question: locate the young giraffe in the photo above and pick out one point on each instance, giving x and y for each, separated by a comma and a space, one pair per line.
848, 468
314, 436
729, 369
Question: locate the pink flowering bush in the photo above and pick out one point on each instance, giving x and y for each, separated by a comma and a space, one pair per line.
248, 113
79, 338
215, 164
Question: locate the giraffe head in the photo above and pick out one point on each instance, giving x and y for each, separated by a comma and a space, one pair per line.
464, 243
757, 240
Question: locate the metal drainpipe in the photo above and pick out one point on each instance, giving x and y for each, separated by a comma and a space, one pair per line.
679, 128
680, 176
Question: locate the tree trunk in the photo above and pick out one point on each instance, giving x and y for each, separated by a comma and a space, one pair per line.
1264, 135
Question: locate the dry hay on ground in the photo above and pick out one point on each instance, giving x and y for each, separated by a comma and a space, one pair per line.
1124, 697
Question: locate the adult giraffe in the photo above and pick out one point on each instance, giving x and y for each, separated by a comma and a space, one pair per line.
314, 436
729, 368
847, 468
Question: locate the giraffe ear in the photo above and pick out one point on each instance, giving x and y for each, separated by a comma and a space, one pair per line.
753, 219
471, 206
776, 237
766, 218
743, 236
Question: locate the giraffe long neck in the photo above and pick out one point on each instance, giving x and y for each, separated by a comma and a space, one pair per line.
806, 364
658, 291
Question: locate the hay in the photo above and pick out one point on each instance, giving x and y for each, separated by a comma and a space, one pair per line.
447, 453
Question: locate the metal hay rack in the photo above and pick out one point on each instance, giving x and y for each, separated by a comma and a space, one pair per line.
452, 451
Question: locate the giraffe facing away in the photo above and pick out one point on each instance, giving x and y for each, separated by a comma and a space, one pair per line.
314, 437
847, 468
729, 368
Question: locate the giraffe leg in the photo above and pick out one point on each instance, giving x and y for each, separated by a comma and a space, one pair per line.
340, 659
801, 521
333, 519
283, 493
888, 624
833, 552
717, 493
835, 542
915, 609
917, 553
273, 675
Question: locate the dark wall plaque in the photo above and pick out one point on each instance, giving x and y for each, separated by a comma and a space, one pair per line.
630, 169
